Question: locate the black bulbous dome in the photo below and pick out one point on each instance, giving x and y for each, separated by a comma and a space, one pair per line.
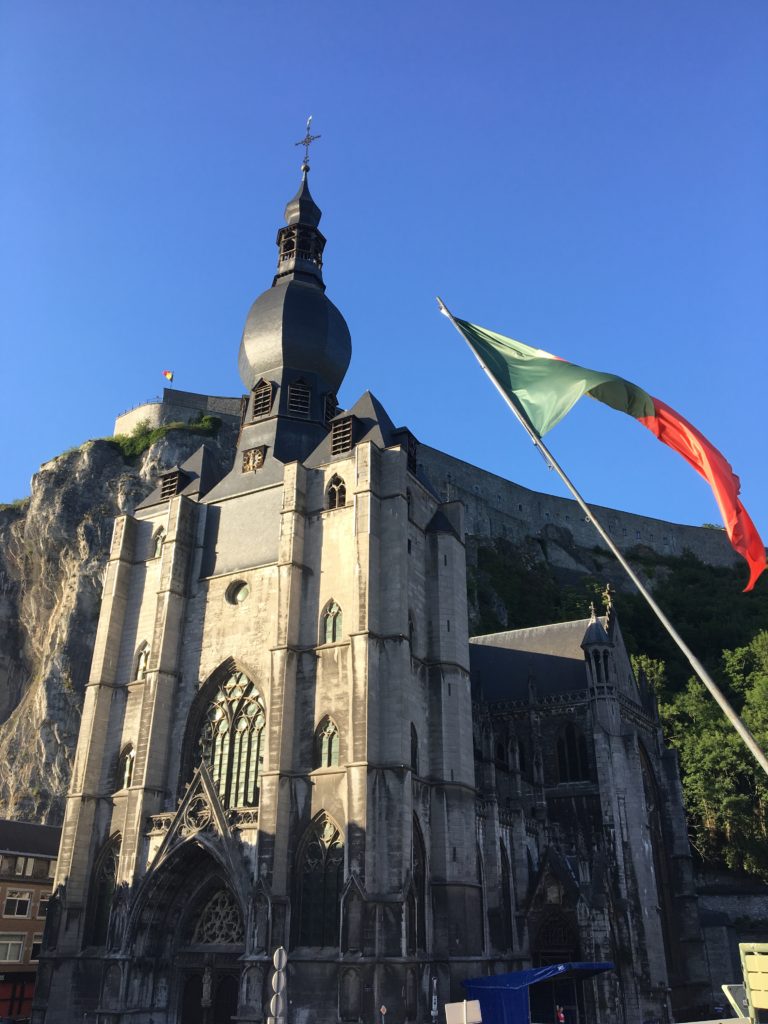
294, 324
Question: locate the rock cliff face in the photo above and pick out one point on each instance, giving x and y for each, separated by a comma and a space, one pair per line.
53, 550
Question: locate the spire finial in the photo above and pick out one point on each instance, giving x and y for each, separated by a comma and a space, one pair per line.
306, 142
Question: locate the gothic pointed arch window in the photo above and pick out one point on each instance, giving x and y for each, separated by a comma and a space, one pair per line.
337, 492
262, 399
572, 757
230, 740
330, 624
141, 662
326, 744
101, 891
319, 880
125, 765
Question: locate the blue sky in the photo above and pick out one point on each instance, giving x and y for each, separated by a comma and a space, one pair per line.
589, 177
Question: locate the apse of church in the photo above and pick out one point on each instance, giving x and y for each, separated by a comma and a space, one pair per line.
280, 744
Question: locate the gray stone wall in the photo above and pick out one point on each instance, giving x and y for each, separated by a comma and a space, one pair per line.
495, 507
177, 407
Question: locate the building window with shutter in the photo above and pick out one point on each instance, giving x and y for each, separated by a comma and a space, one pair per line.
262, 400
341, 436
299, 396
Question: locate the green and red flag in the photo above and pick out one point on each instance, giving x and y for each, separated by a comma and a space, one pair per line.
544, 388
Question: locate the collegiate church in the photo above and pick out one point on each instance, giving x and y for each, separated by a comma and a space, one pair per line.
289, 739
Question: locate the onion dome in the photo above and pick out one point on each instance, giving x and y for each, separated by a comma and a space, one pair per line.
293, 325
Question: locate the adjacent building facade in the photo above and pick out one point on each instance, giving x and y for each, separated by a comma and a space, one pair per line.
27, 866
289, 740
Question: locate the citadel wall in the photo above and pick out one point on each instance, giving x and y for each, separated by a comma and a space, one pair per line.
495, 507
177, 407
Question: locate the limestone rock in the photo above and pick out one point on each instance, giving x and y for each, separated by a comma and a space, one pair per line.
53, 551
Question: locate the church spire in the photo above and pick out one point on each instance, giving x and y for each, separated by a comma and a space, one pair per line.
300, 243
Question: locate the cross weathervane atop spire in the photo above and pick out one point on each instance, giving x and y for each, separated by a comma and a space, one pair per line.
306, 142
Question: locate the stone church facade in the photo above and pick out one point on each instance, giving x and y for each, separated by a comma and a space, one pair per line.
288, 739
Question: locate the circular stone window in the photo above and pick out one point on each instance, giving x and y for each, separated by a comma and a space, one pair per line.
238, 592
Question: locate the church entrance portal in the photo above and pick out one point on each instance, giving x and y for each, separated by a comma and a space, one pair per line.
191, 918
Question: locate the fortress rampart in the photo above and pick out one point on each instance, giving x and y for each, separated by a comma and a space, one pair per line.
495, 507
177, 407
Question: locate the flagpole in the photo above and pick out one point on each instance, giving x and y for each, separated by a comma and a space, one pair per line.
694, 662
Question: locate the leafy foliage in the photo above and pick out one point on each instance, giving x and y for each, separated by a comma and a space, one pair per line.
726, 792
17, 505
143, 436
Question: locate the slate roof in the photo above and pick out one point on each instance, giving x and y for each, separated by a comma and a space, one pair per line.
503, 665
198, 474
561, 638
26, 838
373, 424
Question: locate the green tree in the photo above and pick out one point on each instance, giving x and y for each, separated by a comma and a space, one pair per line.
726, 792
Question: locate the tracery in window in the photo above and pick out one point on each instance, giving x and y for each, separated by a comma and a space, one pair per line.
320, 875
572, 759
125, 765
330, 632
337, 492
299, 396
262, 399
231, 741
221, 923
142, 662
326, 744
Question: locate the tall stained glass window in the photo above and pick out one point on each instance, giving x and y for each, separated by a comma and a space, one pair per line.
231, 741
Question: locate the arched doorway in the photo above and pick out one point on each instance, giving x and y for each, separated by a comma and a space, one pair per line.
191, 920
556, 941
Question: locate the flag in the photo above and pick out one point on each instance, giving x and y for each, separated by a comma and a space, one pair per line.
168, 374
544, 388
